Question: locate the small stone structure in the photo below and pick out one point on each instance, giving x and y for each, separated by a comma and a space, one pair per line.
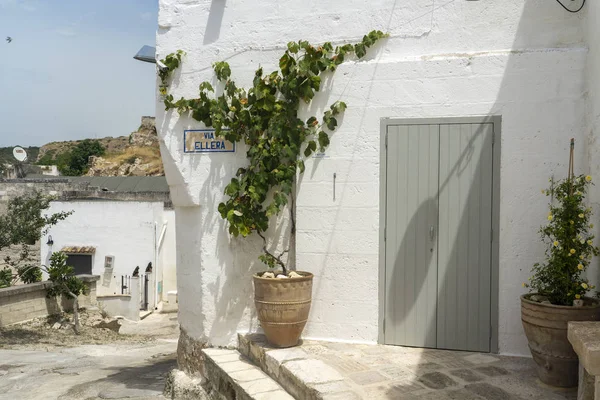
123, 305
585, 338
25, 302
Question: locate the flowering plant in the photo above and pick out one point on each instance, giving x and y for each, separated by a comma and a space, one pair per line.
569, 244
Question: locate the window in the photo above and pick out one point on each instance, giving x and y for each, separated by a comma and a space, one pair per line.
81, 263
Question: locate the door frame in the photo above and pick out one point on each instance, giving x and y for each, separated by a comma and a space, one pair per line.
496, 121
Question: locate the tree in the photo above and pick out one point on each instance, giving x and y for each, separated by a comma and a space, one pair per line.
65, 283
22, 225
75, 162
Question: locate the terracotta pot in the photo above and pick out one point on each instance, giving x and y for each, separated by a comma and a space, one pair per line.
546, 330
282, 306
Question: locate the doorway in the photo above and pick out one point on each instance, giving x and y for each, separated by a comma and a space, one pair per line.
439, 198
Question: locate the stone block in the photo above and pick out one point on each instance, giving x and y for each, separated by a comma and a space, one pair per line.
274, 358
311, 371
436, 380
585, 339
367, 377
489, 392
466, 375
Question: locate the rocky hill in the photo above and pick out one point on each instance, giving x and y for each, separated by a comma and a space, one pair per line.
135, 155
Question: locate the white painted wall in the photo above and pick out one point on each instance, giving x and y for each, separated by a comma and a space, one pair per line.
168, 254
593, 115
123, 229
123, 305
521, 59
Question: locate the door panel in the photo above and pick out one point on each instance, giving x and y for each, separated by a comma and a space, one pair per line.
411, 244
465, 220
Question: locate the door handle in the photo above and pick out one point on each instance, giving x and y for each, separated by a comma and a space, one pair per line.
431, 232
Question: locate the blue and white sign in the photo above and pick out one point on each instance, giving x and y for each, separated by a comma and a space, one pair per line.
205, 141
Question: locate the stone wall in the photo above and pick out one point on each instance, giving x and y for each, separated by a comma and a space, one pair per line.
26, 302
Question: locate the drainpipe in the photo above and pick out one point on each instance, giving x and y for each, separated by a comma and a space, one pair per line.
155, 270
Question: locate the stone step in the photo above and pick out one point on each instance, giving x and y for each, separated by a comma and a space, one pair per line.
234, 377
301, 375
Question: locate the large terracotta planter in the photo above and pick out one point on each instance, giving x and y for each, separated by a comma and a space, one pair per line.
282, 306
546, 330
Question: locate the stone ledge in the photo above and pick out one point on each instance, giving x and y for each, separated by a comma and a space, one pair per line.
21, 289
88, 278
585, 339
113, 296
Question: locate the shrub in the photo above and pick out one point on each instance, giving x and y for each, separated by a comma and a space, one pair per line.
569, 244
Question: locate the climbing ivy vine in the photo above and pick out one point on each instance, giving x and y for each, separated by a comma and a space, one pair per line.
265, 118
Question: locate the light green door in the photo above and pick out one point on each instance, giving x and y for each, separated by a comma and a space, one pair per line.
438, 235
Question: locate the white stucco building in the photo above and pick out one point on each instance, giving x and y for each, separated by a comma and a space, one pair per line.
506, 82
127, 223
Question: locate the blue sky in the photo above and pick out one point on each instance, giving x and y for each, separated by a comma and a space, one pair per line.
69, 72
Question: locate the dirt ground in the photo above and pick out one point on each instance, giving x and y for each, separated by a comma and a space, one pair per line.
57, 331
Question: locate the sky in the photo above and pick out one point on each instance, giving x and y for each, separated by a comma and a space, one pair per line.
69, 72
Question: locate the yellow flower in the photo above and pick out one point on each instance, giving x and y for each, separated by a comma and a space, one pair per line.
524, 284
577, 296
550, 217
571, 222
572, 251
584, 285
581, 257
580, 266
555, 243
588, 178
581, 215
582, 241
590, 242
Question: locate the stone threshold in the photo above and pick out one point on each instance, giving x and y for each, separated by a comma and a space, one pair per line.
300, 375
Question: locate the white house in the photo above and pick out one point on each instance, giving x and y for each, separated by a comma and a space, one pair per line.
453, 126
127, 224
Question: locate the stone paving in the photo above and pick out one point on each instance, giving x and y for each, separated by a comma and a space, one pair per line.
349, 371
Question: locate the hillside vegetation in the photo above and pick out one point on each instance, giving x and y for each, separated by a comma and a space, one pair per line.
135, 155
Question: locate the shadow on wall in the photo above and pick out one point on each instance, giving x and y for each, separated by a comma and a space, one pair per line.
544, 168
215, 19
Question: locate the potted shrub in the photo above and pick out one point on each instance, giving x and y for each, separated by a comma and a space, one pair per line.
267, 119
558, 286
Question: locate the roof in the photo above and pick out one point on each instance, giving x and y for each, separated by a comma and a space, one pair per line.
78, 250
129, 184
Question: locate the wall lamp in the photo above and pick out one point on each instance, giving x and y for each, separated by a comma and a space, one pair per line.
50, 242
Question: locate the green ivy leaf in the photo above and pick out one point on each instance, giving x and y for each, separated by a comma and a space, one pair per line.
323, 140
293, 47
301, 166
331, 123
206, 86
338, 107
360, 50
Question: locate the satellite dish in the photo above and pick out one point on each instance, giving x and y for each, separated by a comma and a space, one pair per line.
19, 154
